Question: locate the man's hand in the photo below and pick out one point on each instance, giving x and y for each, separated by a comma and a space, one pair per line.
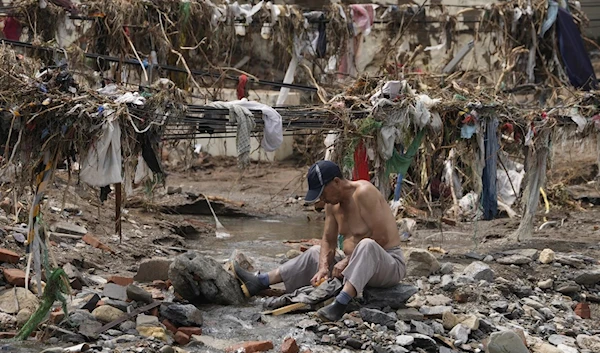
322, 274
339, 268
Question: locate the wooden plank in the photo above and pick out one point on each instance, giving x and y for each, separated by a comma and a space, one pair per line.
287, 309
127, 317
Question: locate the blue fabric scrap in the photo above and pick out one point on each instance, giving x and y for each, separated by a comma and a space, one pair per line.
489, 197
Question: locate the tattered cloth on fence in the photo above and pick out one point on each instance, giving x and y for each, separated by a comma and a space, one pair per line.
244, 119
273, 131
308, 295
577, 61
489, 197
102, 164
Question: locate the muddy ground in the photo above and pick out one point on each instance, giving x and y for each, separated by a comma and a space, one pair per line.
270, 198
267, 197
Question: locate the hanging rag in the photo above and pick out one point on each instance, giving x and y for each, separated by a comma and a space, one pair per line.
362, 17
399, 163
12, 29
489, 197
103, 162
575, 57
273, 130
550, 17
361, 163
322, 39
244, 119
148, 141
241, 87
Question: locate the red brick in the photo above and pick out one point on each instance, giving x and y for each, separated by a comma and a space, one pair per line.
169, 326
93, 242
181, 338
120, 280
251, 346
9, 256
154, 312
15, 276
583, 311
57, 316
191, 331
289, 345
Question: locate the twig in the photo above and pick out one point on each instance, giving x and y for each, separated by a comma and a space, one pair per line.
13, 153
136, 54
12, 124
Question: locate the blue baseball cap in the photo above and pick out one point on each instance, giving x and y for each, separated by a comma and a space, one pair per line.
318, 176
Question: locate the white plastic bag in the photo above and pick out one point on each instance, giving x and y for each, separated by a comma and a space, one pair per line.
103, 162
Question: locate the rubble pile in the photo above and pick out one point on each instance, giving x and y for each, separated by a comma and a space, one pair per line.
470, 303
475, 310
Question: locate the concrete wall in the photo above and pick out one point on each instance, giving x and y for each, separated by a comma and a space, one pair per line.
592, 11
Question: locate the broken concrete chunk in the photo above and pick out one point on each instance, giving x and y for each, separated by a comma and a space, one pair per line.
153, 269
479, 271
115, 291
514, 260
506, 341
68, 228
421, 263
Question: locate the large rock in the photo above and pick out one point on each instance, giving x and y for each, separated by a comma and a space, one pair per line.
202, 280
530, 253
421, 263
506, 341
591, 343
478, 271
377, 317
15, 299
588, 278
107, 313
138, 294
409, 314
7, 321
181, 315
153, 269
546, 256
394, 297
514, 260
68, 228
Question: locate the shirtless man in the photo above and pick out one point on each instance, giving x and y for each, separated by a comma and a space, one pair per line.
358, 211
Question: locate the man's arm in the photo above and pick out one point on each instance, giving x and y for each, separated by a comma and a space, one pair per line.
329, 240
368, 201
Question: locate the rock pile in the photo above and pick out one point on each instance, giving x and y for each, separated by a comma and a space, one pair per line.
476, 310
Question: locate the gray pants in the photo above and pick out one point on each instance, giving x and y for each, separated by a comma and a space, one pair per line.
369, 265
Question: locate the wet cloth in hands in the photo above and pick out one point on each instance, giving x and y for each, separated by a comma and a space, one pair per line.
308, 295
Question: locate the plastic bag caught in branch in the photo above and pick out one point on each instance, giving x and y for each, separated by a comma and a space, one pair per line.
103, 162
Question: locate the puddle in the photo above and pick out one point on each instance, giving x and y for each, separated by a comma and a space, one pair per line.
260, 237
